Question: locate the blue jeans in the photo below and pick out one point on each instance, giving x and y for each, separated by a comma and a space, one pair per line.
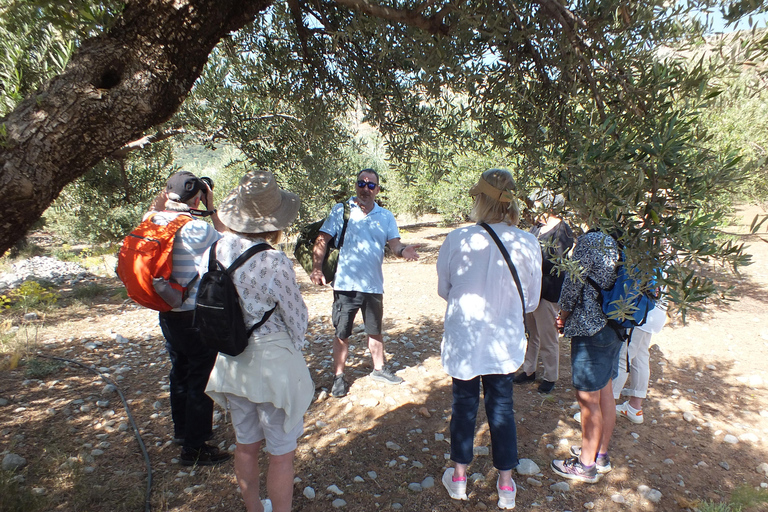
191, 365
497, 390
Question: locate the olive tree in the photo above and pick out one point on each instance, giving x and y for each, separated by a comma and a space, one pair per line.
575, 94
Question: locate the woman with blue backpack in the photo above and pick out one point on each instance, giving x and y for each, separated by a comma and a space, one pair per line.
595, 347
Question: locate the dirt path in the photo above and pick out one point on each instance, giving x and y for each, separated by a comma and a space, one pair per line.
380, 445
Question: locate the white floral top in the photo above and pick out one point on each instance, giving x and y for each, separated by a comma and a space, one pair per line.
266, 280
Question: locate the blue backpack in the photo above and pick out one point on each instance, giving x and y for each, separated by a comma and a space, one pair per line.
625, 305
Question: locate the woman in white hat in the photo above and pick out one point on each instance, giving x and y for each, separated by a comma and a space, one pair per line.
268, 387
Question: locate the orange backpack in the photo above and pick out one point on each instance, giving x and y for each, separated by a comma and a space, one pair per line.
144, 264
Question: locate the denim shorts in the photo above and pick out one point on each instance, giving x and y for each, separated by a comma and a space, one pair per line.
594, 359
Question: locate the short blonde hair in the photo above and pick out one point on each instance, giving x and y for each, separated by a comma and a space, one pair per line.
272, 237
490, 210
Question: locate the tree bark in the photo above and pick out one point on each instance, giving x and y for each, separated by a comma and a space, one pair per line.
116, 86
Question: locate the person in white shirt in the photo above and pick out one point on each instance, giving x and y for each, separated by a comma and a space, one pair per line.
634, 362
484, 334
359, 281
267, 387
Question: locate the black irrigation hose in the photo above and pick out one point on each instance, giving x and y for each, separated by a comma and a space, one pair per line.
147, 505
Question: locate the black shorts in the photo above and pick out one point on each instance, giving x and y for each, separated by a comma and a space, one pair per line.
346, 306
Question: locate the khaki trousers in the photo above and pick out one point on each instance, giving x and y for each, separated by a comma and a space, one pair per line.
543, 340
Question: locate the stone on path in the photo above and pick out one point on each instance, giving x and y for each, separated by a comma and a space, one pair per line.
652, 495
12, 462
527, 467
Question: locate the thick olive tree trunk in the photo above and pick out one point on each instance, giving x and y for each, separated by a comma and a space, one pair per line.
116, 86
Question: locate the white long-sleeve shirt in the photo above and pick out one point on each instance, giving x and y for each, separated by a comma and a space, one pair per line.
484, 332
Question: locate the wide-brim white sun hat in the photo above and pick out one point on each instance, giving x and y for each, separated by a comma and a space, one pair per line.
258, 205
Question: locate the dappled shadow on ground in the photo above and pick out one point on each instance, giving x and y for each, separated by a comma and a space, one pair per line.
348, 438
685, 456
687, 459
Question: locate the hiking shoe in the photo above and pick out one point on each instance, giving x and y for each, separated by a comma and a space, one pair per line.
206, 455
603, 462
340, 387
573, 469
546, 386
385, 376
629, 412
506, 496
457, 490
521, 377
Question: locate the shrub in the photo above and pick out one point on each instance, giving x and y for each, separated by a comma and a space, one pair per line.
37, 368
31, 295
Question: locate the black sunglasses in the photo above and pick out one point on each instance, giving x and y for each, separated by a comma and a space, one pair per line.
369, 184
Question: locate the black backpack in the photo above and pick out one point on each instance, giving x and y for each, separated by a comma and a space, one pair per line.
218, 315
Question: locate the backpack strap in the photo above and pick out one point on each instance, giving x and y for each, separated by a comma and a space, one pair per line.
344, 227
597, 288
248, 254
176, 224
262, 321
511, 268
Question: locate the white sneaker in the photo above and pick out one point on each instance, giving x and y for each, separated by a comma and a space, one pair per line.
457, 490
267, 504
506, 497
629, 412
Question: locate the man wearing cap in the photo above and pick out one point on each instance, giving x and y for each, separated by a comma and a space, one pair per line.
359, 281
191, 360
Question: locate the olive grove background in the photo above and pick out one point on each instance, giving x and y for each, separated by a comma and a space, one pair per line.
637, 113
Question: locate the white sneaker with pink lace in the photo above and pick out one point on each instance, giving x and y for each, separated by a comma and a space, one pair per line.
506, 496
456, 489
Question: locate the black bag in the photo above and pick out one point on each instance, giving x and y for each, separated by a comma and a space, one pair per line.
305, 246
218, 315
